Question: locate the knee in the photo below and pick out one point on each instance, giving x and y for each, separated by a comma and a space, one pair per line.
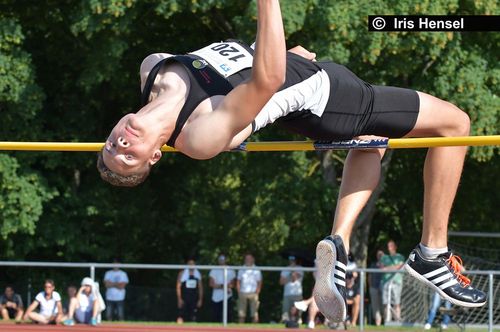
463, 123
368, 152
460, 124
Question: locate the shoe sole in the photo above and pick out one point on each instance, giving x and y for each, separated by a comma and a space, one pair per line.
445, 296
328, 299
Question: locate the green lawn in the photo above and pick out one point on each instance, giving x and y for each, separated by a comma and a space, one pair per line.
452, 328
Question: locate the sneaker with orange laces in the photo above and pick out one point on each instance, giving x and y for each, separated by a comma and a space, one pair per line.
444, 275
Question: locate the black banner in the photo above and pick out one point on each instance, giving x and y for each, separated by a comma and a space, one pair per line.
434, 23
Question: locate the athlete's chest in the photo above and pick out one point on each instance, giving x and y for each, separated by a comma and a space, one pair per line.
206, 107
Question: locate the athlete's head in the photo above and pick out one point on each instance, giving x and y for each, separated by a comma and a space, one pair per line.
129, 152
132, 146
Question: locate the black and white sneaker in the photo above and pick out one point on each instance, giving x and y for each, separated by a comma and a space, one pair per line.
329, 290
443, 274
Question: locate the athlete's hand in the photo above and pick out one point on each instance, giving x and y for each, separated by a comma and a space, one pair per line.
299, 50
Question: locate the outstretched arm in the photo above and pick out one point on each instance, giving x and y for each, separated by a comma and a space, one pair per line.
213, 133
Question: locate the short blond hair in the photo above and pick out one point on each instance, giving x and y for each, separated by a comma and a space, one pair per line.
119, 180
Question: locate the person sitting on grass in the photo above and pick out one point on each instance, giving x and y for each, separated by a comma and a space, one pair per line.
85, 307
11, 305
50, 306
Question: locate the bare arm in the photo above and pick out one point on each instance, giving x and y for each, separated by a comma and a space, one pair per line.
283, 280
120, 285
200, 293
30, 308
178, 287
211, 283
393, 267
240, 107
59, 311
259, 287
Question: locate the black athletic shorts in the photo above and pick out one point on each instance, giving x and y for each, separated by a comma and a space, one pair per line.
356, 108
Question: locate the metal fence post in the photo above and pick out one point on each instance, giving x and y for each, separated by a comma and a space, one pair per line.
362, 301
92, 272
29, 290
490, 300
224, 306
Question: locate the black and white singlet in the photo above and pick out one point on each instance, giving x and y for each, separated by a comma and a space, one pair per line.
320, 100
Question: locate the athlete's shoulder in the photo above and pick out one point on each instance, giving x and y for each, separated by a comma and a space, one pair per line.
148, 63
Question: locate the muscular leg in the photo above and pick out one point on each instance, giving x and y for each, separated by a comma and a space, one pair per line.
359, 178
442, 170
443, 166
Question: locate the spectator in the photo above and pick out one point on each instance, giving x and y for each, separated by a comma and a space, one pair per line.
115, 281
189, 293
249, 284
216, 282
392, 283
374, 280
292, 282
436, 303
310, 306
11, 305
49, 302
84, 308
71, 292
352, 289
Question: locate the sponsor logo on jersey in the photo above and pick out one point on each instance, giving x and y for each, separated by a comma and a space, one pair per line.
199, 64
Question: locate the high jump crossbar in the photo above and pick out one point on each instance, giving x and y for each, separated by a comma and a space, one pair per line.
391, 143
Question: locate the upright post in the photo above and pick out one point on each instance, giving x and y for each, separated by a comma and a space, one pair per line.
224, 306
362, 301
490, 302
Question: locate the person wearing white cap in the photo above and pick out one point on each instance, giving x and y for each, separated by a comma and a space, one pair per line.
85, 307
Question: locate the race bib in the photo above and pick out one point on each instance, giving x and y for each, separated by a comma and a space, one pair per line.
191, 283
227, 58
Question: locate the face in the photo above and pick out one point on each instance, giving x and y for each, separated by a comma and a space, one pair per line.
131, 148
48, 288
391, 247
380, 253
87, 289
71, 291
249, 260
9, 292
221, 260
